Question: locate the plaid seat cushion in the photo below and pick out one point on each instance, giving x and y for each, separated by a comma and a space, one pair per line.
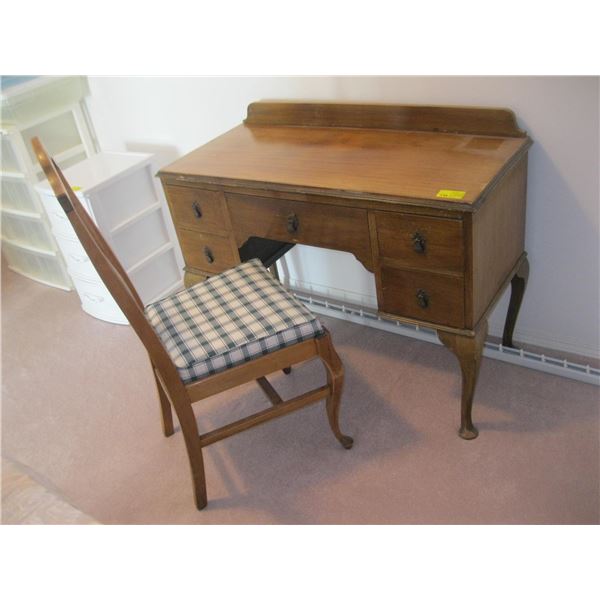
229, 319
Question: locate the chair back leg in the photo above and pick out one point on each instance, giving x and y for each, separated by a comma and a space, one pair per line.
335, 380
191, 435
194, 451
165, 408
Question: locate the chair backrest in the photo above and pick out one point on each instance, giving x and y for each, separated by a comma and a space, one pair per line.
108, 266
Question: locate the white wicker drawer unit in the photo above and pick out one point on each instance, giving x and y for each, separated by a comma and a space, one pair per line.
119, 192
54, 109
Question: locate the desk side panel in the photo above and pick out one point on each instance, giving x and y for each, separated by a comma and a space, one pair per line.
497, 240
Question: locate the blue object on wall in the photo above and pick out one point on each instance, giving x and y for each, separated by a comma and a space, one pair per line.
10, 80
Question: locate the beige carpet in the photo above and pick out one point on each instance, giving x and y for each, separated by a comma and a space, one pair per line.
80, 408
27, 501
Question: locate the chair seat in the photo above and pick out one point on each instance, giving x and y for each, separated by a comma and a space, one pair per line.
229, 319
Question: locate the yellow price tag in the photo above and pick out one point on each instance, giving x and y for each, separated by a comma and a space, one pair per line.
453, 194
75, 188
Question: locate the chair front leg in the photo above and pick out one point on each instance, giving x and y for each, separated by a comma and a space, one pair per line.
335, 380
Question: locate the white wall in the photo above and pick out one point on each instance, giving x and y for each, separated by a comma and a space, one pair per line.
561, 306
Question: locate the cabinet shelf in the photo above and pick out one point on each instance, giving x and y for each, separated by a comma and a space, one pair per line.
29, 247
134, 218
12, 175
149, 258
51, 108
40, 278
19, 213
62, 159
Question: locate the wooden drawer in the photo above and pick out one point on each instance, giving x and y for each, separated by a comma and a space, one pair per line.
197, 209
334, 227
421, 242
206, 252
191, 277
431, 297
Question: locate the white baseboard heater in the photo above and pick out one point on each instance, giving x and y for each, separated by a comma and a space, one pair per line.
523, 358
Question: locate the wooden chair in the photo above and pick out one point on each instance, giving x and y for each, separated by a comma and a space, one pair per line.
207, 339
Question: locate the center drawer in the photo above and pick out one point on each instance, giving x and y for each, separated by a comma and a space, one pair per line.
334, 227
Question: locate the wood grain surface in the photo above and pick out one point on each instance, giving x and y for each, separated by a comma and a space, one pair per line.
454, 119
338, 228
406, 164
444, 293
441, 241
201, 210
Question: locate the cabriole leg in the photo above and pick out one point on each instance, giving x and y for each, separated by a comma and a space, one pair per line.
468, 351
335, 379
518, 285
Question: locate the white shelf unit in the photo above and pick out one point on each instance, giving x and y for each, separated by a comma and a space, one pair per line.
121, 194
53, 109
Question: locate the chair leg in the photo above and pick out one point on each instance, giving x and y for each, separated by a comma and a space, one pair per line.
189, 428
165, 407
198, 477
335, 379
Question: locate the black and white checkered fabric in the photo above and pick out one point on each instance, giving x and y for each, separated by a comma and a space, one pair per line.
228, 320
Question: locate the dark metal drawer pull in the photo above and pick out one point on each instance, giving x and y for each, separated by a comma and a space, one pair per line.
292, 223
209, 255
422, 299
419, 243
197, 210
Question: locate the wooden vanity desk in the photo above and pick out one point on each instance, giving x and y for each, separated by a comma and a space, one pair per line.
430, 199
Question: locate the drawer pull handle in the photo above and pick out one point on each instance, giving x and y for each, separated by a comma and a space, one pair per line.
292, 223
197, 210
419, 243
422, 299
209, 255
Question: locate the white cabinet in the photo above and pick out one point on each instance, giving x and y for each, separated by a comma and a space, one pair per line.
119, 191
52, 108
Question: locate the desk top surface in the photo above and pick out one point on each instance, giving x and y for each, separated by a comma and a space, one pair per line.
353, 160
